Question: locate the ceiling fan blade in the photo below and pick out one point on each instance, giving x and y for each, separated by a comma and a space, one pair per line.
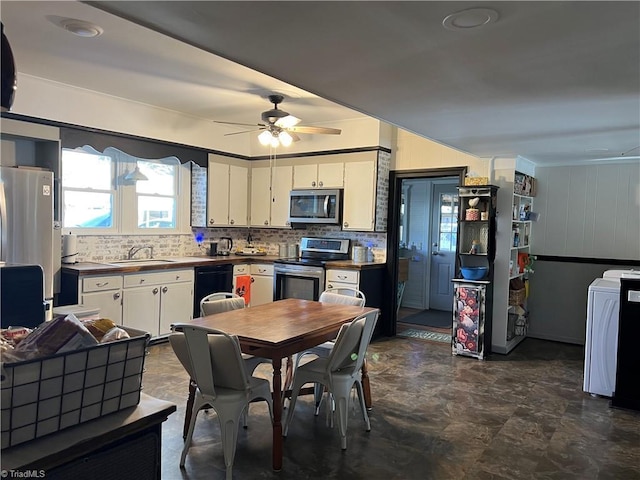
288, 121
294, 137
322, 130
244, 131
241, 124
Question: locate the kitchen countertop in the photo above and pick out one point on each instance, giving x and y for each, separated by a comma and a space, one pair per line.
97, 268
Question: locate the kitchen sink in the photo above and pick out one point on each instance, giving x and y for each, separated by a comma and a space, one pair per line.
141, 261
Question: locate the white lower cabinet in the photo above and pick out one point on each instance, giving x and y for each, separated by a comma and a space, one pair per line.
342, 279
261, 284
153, 301
103, 292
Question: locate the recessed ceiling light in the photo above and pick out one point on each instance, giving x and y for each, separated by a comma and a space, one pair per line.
471, 18
81, 28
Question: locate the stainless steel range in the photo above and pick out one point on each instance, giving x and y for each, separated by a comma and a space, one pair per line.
303, 277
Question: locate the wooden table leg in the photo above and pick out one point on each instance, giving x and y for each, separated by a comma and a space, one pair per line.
366, 387
277, 414
187, 414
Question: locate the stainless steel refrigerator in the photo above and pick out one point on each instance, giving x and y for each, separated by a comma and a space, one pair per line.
28, 234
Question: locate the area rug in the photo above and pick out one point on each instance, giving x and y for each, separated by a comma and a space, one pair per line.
430, 318
426, 335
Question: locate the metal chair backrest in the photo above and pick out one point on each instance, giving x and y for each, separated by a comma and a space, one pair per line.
214, 359
220, 302
351, 344
344, 296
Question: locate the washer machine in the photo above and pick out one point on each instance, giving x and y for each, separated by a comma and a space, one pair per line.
601, 346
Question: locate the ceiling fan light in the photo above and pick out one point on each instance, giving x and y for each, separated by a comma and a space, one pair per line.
285, 139
288, 121
265, 138
275, 142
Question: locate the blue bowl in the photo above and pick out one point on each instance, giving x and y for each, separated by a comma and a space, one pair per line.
474, 273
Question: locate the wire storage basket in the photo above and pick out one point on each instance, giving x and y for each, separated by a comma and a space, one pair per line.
45, 395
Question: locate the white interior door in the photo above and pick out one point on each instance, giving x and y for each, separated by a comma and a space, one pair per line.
444, 230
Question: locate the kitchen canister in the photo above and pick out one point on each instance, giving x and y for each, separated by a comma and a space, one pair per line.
359, 254
292, 250
283, 250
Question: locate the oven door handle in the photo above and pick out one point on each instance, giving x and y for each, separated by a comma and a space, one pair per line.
298, 271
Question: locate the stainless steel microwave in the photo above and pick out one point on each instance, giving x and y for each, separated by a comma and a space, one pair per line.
315, 206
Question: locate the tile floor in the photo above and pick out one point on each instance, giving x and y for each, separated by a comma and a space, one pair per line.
435, 416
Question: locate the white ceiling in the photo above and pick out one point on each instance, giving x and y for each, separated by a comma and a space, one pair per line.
554, 82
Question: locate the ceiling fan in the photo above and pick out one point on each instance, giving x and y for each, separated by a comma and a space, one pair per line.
279, 127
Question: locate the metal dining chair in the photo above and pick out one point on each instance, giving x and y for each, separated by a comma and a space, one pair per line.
339, 295
339, 372
215, 362
219, 302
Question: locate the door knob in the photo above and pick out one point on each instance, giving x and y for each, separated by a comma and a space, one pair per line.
435, 253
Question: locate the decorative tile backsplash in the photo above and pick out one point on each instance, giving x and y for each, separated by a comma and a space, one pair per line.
106, 248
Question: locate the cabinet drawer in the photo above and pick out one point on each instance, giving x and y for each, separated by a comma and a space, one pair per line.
340, 285
241, 269
158, 278
261, 269
343, 276
101, 283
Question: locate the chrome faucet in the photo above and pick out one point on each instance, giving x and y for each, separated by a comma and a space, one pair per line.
134, 250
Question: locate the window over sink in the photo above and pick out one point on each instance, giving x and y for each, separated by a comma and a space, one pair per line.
114, 192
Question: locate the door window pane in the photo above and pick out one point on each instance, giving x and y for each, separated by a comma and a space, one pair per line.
448, 224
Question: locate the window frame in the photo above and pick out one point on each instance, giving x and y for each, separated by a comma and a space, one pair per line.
125, 196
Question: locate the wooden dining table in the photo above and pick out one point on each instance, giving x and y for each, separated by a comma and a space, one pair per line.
279, 330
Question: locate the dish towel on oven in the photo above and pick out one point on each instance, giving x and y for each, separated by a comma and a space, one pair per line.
243, 287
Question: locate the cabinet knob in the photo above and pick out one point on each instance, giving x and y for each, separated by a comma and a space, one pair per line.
116, 296
165, 289
346, 224
211, 221
155, 291
253, 279
313, 184
232, 222
266, 222
320, 184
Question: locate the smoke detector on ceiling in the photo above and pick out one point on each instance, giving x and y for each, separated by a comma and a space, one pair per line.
470, 18
81, 28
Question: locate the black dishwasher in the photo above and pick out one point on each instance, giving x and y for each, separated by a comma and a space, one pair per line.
211, 279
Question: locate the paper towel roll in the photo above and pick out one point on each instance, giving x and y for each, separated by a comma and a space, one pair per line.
69, 248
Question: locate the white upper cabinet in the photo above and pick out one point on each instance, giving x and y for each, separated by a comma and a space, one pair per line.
318, 175
227, 194
217, 194
270, 196
359, 202
238, 196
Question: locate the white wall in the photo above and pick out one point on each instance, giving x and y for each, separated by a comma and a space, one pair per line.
589, 211
45, 99
414, 152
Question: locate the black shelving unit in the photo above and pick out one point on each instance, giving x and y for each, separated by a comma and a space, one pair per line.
473, 299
